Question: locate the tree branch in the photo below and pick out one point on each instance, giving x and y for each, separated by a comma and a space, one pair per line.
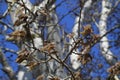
6, 68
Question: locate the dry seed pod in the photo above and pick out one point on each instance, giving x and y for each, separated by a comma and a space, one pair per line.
32, 64
21, 19
40, 77
78, 76
54, 78
87, 30
85, 58
16, 35
23, 16
48, 47
22, 56
115, 69
18, 22
71, 35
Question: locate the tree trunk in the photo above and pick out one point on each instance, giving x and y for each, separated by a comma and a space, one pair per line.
106, 9
53, 36
78, 25
23, 73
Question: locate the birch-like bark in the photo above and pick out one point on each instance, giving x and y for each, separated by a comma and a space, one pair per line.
85, 10
106, 9
22, 73
54, 36
14, 10
74, 57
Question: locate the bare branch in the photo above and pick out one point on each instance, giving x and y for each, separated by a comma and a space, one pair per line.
6, 67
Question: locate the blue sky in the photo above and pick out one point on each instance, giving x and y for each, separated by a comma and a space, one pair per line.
67, 23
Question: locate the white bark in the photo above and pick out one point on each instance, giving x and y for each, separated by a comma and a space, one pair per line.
73, 57
54, 36
85, 10
14, 14
106, 9
23, 73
